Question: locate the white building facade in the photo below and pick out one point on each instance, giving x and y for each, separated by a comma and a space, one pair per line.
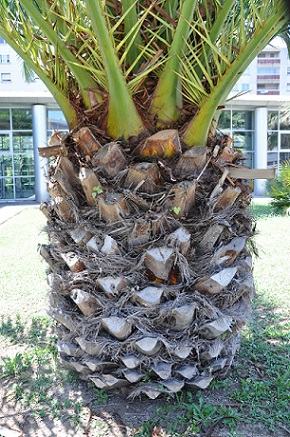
257, 120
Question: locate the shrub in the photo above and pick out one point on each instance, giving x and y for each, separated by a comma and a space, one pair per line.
280, 189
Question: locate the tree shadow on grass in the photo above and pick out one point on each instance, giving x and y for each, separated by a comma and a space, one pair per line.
39, 398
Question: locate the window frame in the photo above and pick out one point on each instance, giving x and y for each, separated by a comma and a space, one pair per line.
232, 130
4, 80
279, 133
4, 58
50, 130
11, 153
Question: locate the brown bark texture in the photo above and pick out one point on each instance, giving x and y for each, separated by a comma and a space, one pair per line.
149, 266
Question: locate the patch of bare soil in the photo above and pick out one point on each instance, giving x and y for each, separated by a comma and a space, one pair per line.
114, 416
118, 418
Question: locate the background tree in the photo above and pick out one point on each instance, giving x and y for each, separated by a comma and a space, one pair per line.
149, 269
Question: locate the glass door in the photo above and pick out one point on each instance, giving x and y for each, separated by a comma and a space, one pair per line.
278, 138
284, 137
16, 155
6, 164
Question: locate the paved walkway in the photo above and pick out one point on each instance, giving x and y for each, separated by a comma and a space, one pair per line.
262, 200
9, 211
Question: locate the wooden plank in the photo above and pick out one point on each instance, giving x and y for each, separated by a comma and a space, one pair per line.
252, 173
47, 152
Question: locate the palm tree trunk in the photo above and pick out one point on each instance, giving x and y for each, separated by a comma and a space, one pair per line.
149, 268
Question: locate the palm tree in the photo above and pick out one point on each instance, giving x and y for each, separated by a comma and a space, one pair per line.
149, 266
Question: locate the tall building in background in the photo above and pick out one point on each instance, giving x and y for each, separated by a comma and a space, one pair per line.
268, 74
255, 115
28, 114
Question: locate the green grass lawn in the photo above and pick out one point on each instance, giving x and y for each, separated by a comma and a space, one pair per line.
272, 269
253, 400
23, 286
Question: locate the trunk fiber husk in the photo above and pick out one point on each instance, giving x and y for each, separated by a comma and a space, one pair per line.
149, 265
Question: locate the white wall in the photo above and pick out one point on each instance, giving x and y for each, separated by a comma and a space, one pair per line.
15, 67
249, 77
284, 78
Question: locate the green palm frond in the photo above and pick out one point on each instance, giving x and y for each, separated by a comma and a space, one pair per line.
96, 53
211, 69
166, 102
28, 72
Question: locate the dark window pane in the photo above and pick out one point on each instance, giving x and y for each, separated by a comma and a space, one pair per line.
273, 117
4, 142
272, 159
56, 120
6, 168
243, 140
273, 141
22, 141
285, 121
24, 164
21, 119
24, 188
248, 160
225, 120
242, 120
4, 119
284, 156
6, 188
285, 141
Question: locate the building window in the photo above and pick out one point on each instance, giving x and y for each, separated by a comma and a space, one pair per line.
268, 71
4, 143
273, 120
225, 120
266, 54
21, 119
245, 87
4, 119
269, 61
4, 59
242, 120
278, 137
269, 88
2, 41
5, 77
272, 141
285, 120
285, 141
31, 77
56, 121
241, 87
16, 154
240, 126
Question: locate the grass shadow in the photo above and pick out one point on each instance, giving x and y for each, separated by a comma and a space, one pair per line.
262, 370
36, 394
252, 398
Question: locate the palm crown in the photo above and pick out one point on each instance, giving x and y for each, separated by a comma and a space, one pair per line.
122, 55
